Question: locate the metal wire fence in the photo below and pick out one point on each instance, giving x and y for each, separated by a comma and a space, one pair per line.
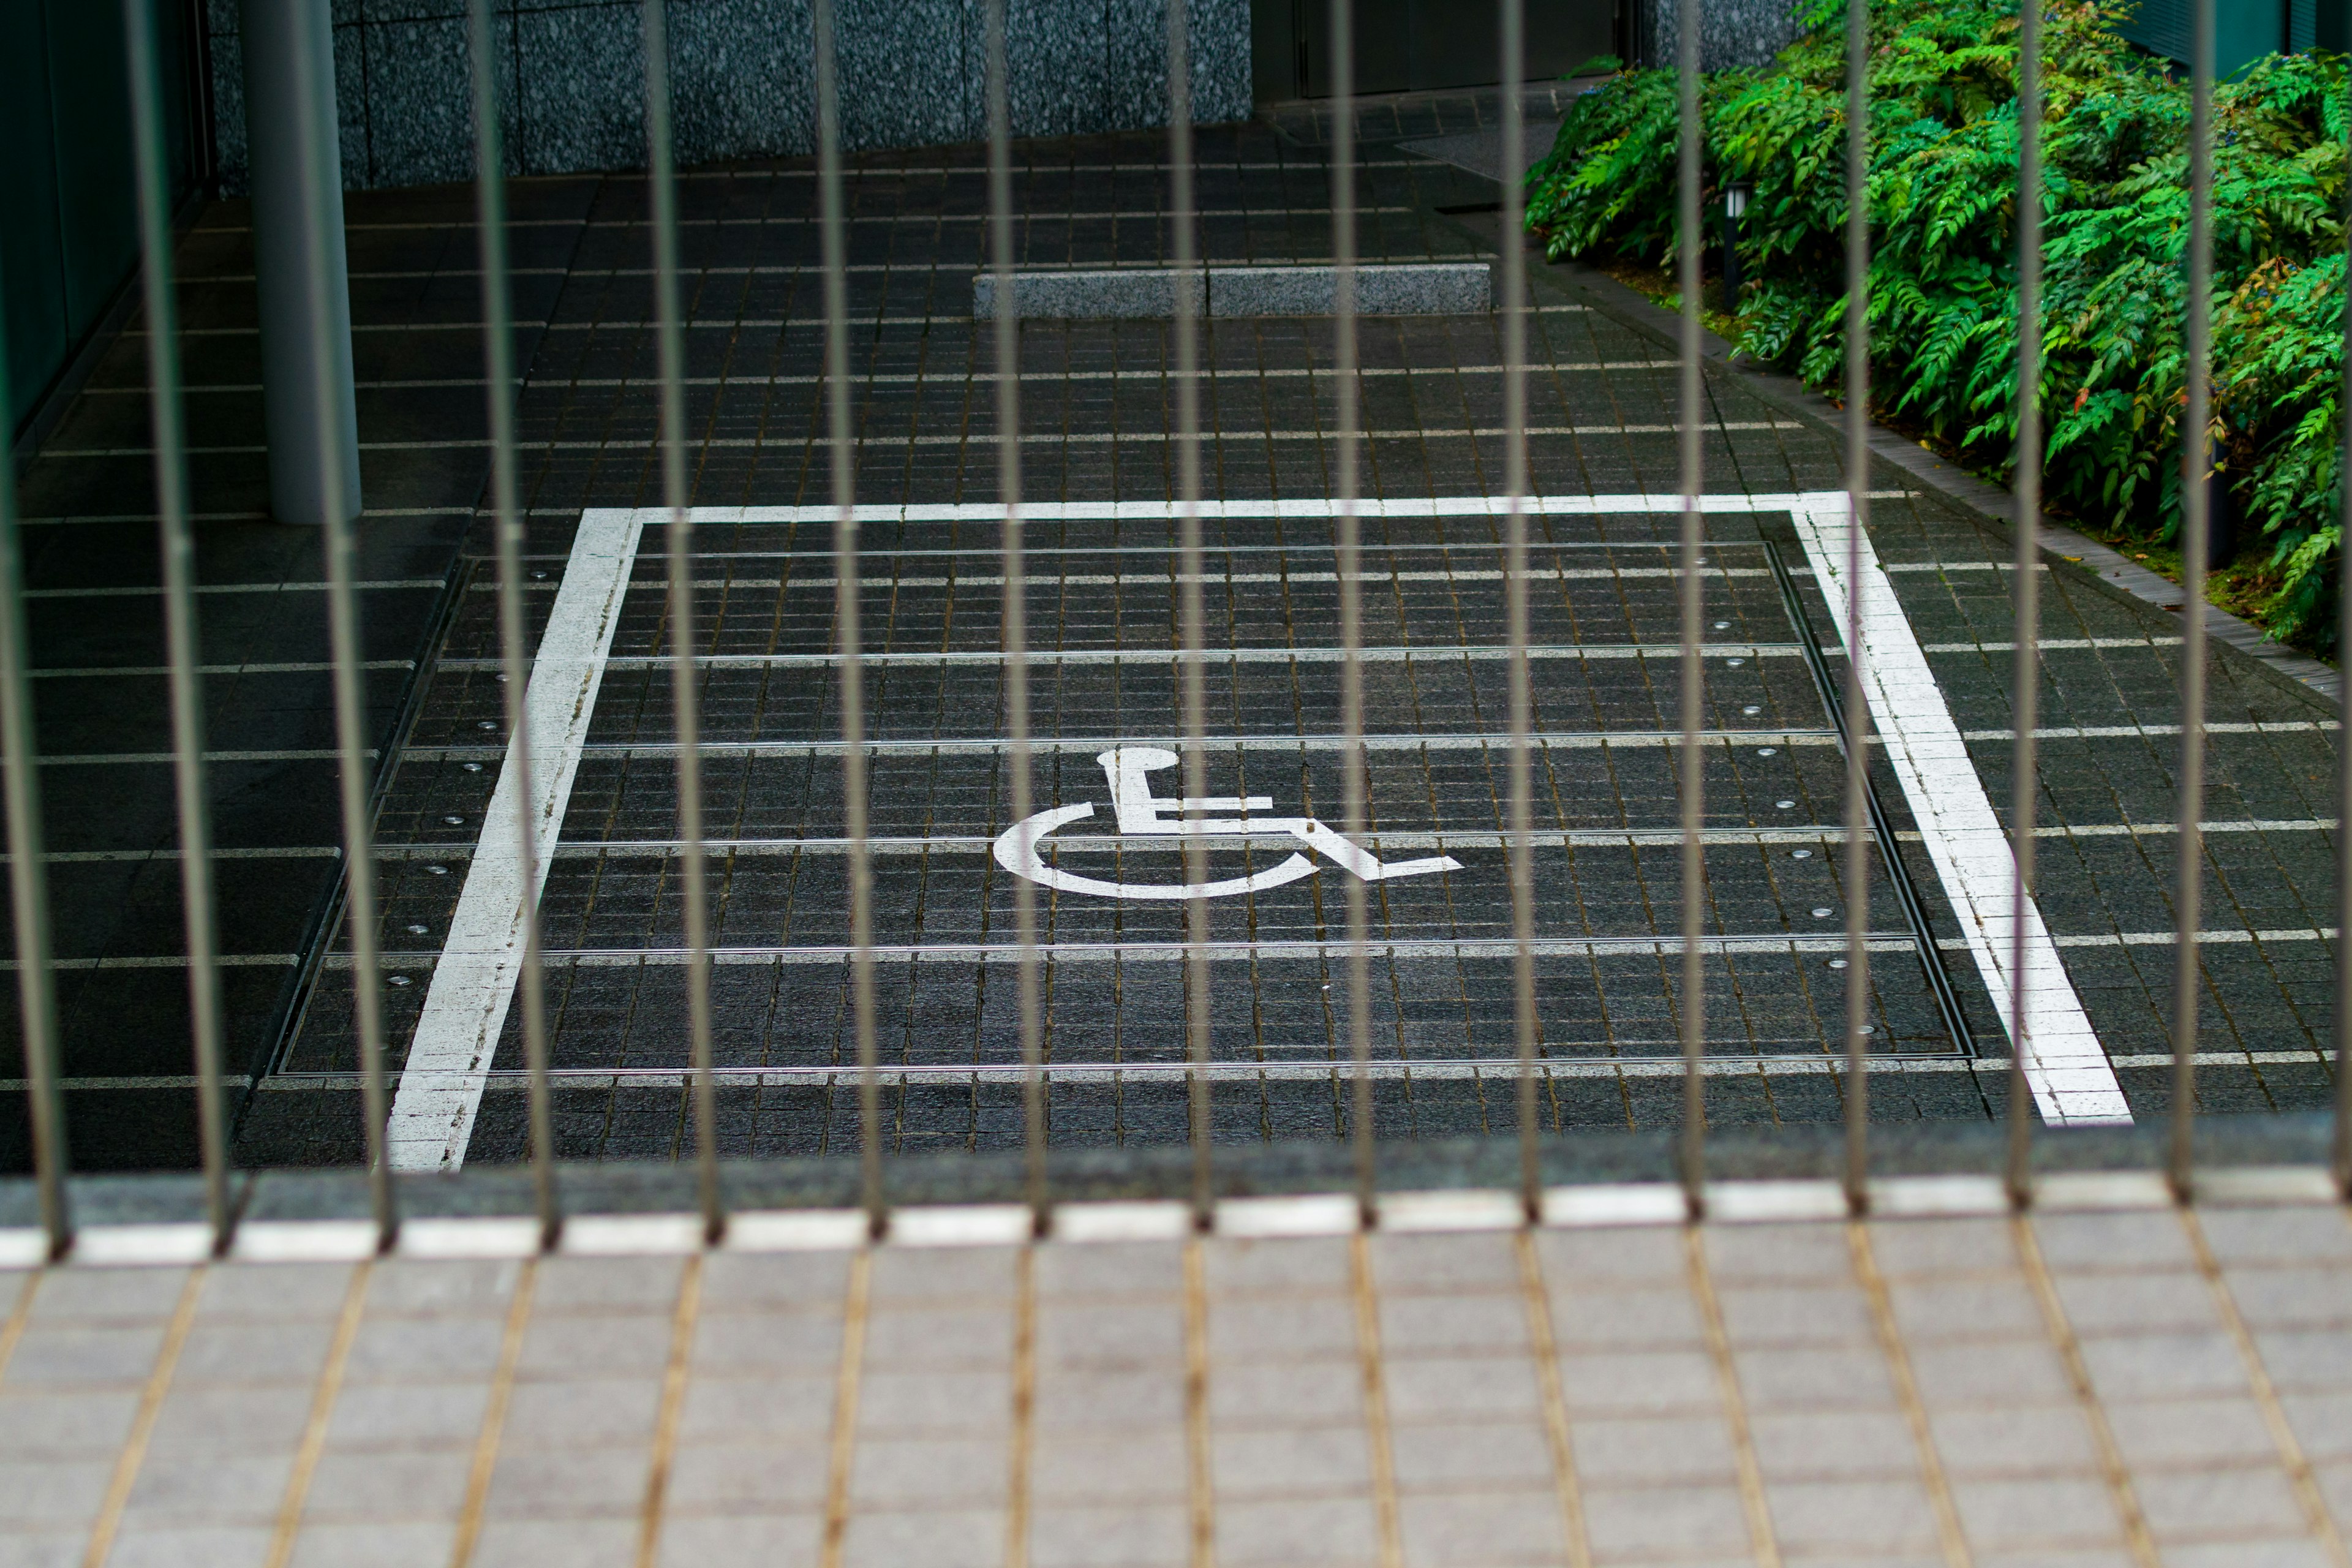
29, 900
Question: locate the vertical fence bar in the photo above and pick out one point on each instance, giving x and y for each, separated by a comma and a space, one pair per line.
1692, 687
169, 439
28, 890
661, 181
2342, 1150
2025, 700
2195, 467
1347, 555
1191, 288
1035, 1129
344, 643
1858, 837
842, 449
1513, 322
499, 372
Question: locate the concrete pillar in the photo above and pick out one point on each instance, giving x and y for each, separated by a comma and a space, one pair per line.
284, 106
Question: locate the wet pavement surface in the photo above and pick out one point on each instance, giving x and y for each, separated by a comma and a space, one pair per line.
1098, 416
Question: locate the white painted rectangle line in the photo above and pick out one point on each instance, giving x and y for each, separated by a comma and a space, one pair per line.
473, 984
2064, 1062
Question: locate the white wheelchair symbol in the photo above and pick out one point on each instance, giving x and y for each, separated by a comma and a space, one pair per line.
1142, 815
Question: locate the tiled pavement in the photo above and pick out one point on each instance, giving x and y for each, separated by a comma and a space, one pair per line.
2146, 1387
1095, 418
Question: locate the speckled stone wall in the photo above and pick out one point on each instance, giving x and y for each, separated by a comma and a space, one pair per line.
1731, 32
743, 79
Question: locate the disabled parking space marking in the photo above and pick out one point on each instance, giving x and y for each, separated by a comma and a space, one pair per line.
449, 1058
1142, 815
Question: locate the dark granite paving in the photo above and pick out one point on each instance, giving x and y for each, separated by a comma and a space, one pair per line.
1097, 422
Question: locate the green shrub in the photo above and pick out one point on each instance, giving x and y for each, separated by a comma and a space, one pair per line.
1943, 309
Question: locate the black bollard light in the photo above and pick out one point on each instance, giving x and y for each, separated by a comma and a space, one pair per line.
1735, 201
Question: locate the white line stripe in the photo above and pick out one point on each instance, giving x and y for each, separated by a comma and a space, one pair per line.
2072, 1080
100, 671
786, 440
908, 378
2127, 732
1430, 654
139, 591
2050, 643
1664, 1064
1432, 838
1439, 839
2204, 938
692, 324
968, 745
457, 1035
1667, 503
1955, 566
1734, 1062
166, 960
149, 759
1778, 944
2134, 829
1048, 580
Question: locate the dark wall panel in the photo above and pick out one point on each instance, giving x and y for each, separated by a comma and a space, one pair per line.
32, 261
1408, 46
69, 240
